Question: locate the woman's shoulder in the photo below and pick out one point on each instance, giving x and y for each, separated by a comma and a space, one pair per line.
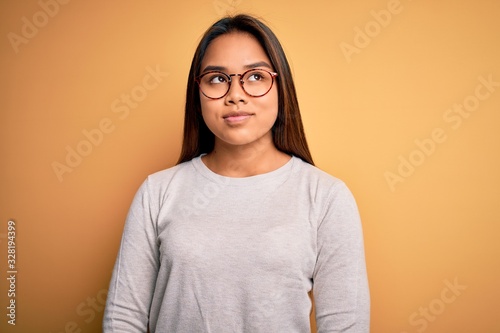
316, 174
164, 176
322, 183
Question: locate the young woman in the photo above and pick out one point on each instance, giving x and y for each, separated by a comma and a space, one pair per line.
244, 227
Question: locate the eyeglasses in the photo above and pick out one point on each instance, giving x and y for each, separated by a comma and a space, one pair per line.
254, 82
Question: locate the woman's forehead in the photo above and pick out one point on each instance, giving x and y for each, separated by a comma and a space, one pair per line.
235, 51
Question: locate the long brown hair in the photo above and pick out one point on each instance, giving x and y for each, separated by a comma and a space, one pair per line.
288, 131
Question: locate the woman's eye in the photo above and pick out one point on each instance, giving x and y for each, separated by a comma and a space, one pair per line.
217, 79
255, 77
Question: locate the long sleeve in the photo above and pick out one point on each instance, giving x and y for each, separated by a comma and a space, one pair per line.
340, 280
135, 271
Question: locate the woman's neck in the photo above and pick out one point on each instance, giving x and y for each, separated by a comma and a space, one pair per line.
245, 160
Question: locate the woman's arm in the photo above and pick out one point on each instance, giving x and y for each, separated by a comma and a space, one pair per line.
136, 268
340, 288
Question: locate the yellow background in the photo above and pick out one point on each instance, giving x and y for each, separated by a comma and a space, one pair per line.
363, 112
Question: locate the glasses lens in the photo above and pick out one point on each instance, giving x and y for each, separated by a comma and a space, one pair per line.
257, 82
214, 84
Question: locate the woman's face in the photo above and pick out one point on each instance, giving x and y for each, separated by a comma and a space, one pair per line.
238, 119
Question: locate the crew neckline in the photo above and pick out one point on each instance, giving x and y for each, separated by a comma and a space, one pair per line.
275, 177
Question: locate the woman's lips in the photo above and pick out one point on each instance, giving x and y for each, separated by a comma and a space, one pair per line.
236, 117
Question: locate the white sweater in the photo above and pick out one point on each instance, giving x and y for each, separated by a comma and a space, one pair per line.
201, 252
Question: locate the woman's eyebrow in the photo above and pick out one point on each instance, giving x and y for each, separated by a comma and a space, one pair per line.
214, 68
258, 64
249, 66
